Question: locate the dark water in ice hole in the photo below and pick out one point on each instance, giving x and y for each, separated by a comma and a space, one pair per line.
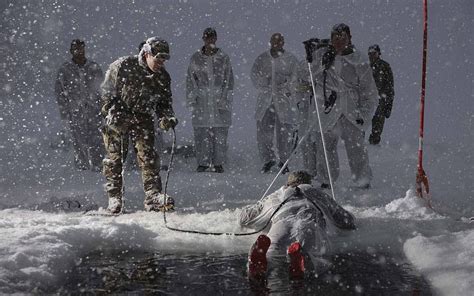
216, 274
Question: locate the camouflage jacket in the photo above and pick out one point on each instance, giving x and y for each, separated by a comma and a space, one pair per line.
138, 90
384, 80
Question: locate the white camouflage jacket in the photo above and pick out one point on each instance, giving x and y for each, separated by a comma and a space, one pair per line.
311, 202
209, 89
350, 76
272, 77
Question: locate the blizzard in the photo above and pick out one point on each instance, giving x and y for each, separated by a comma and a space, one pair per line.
46, 226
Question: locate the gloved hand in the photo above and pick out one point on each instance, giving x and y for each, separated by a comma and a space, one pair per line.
168, 122
360, 121
310, 46
329, 102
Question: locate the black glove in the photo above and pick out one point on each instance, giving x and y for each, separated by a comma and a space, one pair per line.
310, 46
360, 121
168, 122
329, 102
328, 57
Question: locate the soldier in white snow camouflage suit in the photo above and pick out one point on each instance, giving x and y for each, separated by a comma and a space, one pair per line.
348, 95
78, 96
276, 109
134, 89
302, 221
209, 91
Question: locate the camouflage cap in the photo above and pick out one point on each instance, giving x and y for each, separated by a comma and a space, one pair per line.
299, 177
158, 47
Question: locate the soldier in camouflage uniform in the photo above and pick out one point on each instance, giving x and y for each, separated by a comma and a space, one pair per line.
384, 80
77, 90
135, 88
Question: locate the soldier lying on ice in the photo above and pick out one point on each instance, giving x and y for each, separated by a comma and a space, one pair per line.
301, 218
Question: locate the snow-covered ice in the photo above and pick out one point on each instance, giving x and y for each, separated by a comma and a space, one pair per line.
42, 246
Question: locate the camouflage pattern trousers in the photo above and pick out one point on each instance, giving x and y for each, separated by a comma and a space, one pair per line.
142, 136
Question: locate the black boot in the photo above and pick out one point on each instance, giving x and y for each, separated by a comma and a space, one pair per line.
285, 170
325, 186
218, 169
201, 168
374, 140
267, 166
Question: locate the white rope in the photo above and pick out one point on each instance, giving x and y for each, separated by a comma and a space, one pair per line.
284, 165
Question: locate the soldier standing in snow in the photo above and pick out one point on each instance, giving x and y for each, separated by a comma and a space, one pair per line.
135, 88
275, 113
346, 89
384, 80
209, 93
78, 96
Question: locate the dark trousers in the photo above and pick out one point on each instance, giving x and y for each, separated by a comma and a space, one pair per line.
378, 122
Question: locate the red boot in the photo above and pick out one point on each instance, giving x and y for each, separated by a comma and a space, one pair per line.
258, 257
296, 268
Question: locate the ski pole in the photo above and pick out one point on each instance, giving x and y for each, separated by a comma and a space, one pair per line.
421, 177
321, 131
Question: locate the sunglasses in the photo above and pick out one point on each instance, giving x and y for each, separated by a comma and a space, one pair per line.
161, 55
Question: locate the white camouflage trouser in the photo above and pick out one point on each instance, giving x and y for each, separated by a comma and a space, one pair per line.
354, 142
211, 145
266, 130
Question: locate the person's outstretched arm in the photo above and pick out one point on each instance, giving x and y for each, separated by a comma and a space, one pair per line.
257, 215
339, 216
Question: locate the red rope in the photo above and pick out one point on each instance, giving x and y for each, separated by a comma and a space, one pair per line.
421, 178
423, 85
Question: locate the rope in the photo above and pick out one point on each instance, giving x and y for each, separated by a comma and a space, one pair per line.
170, 166
284, 165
